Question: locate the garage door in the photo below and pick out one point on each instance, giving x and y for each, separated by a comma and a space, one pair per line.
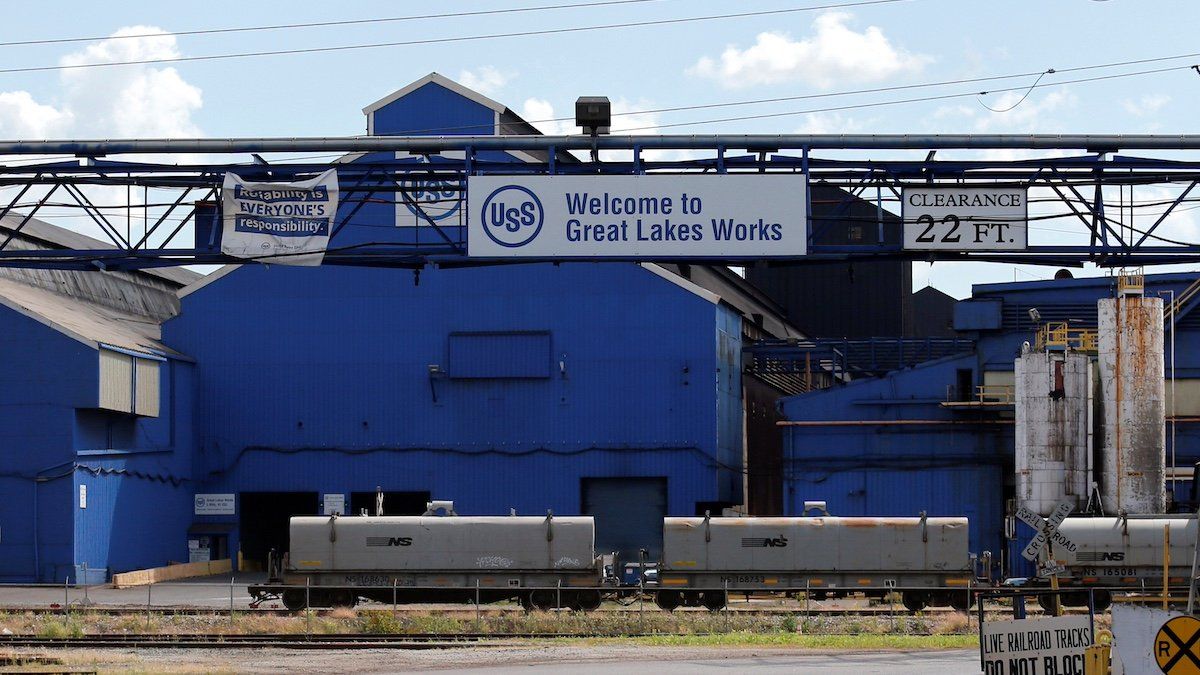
628, 512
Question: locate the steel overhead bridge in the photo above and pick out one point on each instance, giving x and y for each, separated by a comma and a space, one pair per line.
1112, 200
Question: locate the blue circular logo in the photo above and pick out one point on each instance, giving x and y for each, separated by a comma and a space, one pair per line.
438, 199
512, 216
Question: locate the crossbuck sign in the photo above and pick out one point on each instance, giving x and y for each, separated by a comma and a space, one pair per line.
1047, 529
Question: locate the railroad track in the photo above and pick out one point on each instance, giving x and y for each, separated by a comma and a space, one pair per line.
466, 611
282, 641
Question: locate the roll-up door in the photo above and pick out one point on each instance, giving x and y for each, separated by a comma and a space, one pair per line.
629, 514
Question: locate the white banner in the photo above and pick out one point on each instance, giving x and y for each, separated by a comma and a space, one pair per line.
651, 216
1045, 646
281, 223
965, 218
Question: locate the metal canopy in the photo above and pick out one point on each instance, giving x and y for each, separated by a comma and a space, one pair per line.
1092, 204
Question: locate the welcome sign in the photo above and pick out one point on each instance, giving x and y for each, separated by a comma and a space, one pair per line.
281, 223
648, 216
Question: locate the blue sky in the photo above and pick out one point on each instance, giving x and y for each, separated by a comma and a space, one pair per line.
640, 68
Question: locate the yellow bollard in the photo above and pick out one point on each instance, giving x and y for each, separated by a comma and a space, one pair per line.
1096, 658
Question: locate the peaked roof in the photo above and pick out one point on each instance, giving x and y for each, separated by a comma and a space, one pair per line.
89, 323
53, 236
443, 81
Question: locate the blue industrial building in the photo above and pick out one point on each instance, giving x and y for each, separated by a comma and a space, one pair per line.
610, 389
912, 440
160, 416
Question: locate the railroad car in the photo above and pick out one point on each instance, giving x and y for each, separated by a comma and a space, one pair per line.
542, 561
925, 559
1122, 553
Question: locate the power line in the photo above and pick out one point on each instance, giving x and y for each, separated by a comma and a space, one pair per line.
320, 24
835, 94
463, 38
920, 99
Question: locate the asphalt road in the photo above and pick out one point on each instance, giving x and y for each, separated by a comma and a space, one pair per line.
893, 663
580, 659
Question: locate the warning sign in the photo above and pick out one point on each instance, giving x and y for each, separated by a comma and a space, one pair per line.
1177, 646
1045, 646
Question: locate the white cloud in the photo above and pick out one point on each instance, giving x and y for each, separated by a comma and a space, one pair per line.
487, 80
1146, 105
117, 102
540, 113
835, 123
834, 53
134, 101
24, 118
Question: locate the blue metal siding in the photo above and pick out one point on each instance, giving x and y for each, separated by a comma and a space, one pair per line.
899, 470
489, 355
433, 110
327, 387
977, 315
139, 484
730, 413
45, 376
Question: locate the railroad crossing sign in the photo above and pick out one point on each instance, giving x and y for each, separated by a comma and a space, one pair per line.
1046, 528
1177, 646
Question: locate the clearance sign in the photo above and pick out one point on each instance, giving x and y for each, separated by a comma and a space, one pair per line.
965, 218
649, 216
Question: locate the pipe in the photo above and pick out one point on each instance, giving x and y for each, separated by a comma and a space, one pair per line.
882, 423
752, 142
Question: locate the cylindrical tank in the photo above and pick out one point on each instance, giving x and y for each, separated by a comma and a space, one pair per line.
827, 544
1053, 406
434, 543
1124, 544
1131, 377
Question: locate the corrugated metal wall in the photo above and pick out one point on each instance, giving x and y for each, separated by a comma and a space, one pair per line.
116, 381
636, 393
879, 469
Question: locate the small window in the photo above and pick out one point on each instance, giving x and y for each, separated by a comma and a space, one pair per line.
499, 355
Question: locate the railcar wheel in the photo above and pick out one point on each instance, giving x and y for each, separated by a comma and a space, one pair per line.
714, 601
1048, 602
962, 600
1101, 600
914, 601
668, 600
293, 599
544, 599
588, 601
341, 598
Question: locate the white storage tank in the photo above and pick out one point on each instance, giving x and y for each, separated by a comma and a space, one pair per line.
1131, 379
1053, 429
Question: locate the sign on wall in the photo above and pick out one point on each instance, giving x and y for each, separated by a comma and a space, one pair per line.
334, 503
1044, 646
280, 223
214, 505
652, 216
965, 218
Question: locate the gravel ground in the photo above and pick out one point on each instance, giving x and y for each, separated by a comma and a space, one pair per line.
575, 657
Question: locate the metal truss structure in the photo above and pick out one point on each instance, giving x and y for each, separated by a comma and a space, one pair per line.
1084, 188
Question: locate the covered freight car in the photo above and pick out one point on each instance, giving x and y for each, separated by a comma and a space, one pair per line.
925, 559
543, 561
1123, 553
